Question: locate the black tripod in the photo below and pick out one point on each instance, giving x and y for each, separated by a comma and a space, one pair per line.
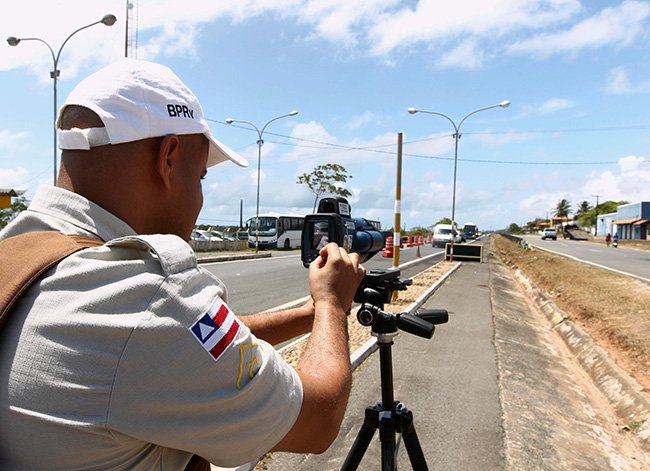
391, 417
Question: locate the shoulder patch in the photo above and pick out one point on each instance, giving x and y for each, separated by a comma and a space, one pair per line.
216, 329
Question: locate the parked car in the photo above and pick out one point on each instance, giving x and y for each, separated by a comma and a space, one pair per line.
196, 235
209, 235
549, 233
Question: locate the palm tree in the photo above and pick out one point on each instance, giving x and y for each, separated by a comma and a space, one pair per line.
563, 208
583, 208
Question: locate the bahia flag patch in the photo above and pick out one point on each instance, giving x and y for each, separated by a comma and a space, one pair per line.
216, 329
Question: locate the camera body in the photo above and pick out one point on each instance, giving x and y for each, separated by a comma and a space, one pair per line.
334, 223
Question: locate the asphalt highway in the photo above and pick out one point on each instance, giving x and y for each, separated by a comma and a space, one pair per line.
626, 260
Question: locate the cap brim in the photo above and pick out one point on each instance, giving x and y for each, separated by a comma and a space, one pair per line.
220, 152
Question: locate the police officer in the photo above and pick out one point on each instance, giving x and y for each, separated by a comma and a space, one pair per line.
126, 355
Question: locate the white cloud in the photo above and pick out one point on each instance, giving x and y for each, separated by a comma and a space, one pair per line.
613, 26
376, 27
432, 20
9, 140
16, 178
555, 104
631, 182
360, 120
466, 55
618, 83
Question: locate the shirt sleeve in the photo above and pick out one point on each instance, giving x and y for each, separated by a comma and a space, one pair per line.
193, 377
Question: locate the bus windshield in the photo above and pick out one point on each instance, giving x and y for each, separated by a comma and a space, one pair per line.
267, 226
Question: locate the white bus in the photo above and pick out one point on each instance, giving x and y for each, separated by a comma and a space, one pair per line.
281, 231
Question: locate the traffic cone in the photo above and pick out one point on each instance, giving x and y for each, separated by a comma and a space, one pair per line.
388, 249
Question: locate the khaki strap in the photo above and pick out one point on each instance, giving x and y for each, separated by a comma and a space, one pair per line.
25, 257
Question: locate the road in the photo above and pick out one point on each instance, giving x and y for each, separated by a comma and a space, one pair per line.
261, 284
630, 261
494, 389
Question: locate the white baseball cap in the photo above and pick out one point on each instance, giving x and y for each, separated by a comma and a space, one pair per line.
137, 100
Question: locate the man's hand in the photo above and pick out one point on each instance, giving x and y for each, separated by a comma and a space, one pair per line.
334, 277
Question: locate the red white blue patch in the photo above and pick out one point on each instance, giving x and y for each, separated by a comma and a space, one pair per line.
216, 329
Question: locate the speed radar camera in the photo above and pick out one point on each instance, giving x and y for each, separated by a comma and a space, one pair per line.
334, 223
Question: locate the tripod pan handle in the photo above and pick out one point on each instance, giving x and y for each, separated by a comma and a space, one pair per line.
414, 325
434, 316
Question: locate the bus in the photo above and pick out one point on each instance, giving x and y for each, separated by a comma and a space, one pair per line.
282, 231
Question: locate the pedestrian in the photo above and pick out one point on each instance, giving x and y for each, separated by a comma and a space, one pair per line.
126, 355
615, 240
608, 239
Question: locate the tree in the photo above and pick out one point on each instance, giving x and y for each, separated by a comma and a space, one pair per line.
419, 230
17, 205
583, 208
444, 221
324, 179
588, 218
563, 208
514, 229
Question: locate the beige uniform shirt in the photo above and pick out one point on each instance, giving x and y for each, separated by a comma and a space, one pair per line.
126, 356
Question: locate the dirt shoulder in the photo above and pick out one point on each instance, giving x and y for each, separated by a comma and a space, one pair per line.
613, 309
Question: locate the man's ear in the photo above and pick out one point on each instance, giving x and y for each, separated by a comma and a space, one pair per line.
167, 158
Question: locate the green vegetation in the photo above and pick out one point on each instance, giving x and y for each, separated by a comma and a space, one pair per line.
17, 205
325, 179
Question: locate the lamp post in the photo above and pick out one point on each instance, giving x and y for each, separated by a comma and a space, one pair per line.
503, 104
108, 20
260, 143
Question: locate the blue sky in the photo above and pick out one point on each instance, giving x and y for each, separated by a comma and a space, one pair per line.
577, 74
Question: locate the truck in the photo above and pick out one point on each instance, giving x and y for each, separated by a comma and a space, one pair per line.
442, 234
470, 231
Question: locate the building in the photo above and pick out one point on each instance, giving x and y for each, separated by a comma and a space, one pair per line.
630, 221
5, 196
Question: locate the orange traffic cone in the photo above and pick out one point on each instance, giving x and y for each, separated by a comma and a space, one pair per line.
388, 249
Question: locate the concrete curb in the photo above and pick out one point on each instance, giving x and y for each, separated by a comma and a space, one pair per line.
630, 402
231, 257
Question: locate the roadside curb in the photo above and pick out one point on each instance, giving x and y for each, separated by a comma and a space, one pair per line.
627, 397
230, 257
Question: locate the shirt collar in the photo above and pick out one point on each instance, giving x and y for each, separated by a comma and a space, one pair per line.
72, 209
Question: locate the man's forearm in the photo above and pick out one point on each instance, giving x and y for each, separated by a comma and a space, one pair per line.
280, 326
326, 376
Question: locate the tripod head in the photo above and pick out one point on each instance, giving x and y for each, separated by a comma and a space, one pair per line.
376, 289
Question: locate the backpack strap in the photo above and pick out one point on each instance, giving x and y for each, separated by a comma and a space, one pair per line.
25, 257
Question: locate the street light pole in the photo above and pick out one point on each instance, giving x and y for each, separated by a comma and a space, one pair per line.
108, 20
260, 143
503, 104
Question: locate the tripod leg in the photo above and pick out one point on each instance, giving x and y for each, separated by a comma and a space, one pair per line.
410, 437
387, 437
364, 436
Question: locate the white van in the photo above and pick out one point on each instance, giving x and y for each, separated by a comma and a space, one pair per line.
442, 235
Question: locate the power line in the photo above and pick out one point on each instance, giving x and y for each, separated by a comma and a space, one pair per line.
377, 149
